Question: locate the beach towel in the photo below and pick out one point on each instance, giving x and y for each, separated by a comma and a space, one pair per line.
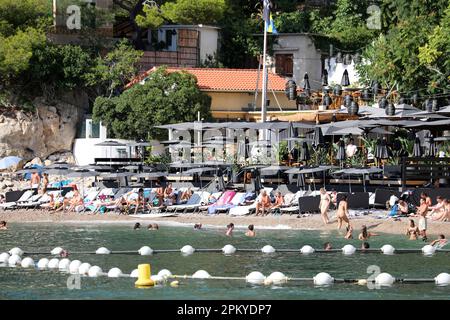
224, 200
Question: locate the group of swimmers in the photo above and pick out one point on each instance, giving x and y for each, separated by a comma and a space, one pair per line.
151, 226
249, 233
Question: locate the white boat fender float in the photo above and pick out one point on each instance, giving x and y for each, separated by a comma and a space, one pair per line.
228, 249
4, 256
56, 251
323, 279
74, 266
165, 273
145, 251
84, 268
187, 250
53, 264
307, 249
384, 279
95, 271
201, 274
27, 263
43, 263
64, 264
277, 278
268, 249
14, 260
16, 251
157, 279
388, 249
255, 277
102, 250
428, 250
115, 273
348, 249
442, 279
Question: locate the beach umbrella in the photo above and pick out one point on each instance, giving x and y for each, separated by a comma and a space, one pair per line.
341, 151
431, 151
381, 150
304, 153
91, 167
82, 174
417, 149
318, 138
9, 162
272, 170
306, 85
345, 81
291, 134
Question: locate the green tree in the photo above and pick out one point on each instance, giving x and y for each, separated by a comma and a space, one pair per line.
163, 98
19, 15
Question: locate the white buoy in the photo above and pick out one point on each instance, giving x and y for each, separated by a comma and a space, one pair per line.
323, 279
102, 250
268, 249
187, 250
56, 251
64, 264
307, 250
84, 268
228, 249
428, 250
157, 279
95, 271
201, 274
74, 266
255, 277
384, 279
348, 249
4, 256
388, 249
165, 273
442, 279
14, 260
43, 263
145, 251
53, 264
115, 273
16, 251
277, 278
134, 273
27, 263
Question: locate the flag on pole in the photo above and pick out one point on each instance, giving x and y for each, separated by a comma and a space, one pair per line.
271, 26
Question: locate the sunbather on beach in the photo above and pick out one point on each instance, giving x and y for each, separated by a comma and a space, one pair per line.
365, 235
426, 198
3, 225
159, 193
77, 200
251, 231
439, 242
342, 212
186, 195
440, 212
412, 231
138, 202
263, 204
279, 200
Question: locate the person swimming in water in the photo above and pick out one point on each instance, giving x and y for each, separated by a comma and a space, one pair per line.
197, 226
251, 231
3, 225
137, 226
327, 246
230, 228
349, 234
365, 235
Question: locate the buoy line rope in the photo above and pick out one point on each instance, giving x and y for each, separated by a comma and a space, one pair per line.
255, 277
214, 250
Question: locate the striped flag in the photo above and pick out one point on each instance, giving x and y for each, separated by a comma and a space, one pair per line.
271, 26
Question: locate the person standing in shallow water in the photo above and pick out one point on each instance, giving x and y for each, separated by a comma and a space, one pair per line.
342, 212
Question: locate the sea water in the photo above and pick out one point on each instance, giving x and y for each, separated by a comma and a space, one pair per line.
20, 283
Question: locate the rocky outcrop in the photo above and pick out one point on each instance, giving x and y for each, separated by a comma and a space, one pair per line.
49, 129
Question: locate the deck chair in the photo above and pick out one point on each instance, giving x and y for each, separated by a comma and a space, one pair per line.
24, 198
292, 206
224, 200
196, 200
32, 203
237, 199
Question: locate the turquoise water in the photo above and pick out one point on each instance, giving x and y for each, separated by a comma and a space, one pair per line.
19, 283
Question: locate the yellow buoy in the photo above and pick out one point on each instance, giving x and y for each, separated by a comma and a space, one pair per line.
144, 274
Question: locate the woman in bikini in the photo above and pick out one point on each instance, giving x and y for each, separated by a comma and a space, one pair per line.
263, 204
325, 201
342, 212
412, 231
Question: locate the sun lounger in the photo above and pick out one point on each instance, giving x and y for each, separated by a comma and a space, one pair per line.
23, 198
237, 199
292, 206
197, 199
222, 202
33, 202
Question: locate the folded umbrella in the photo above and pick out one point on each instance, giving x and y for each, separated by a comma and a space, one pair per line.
341, 150
304, 152
417, 149
345, 81
381, 150
431, 151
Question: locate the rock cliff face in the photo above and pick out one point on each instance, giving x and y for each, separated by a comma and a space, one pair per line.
49, 129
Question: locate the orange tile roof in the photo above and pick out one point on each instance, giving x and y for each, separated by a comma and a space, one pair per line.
219, 79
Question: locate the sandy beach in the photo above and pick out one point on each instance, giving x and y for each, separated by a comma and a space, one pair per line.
312, 222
